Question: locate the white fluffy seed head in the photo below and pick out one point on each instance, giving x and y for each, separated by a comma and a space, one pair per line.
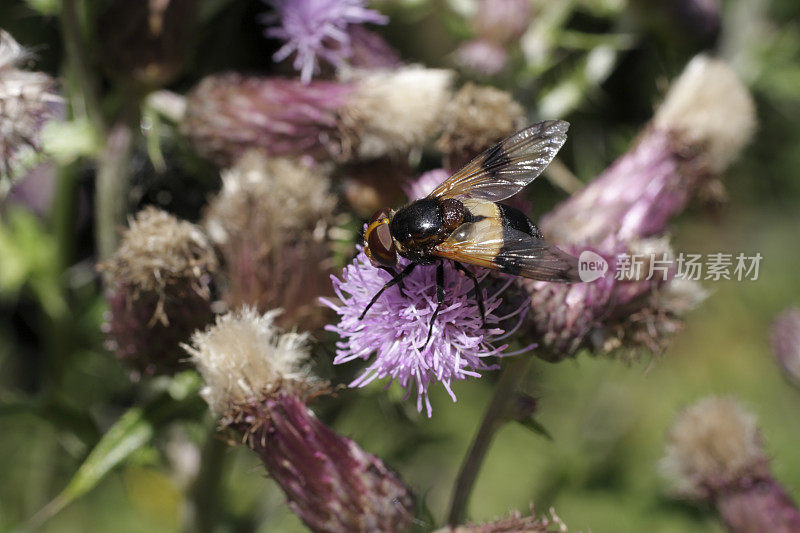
710, 445
709, 106
244, 357
394, 111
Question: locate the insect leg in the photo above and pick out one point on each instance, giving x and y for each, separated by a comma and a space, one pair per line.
478, 293
397, 279
400, 285
439, 300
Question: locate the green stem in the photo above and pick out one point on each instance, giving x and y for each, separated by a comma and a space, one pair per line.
494, 418
205, 493
84, 96
57, 321
111, 188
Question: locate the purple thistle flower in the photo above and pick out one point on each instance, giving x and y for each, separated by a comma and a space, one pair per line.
315, 30
396, 327
425, 183
700, 128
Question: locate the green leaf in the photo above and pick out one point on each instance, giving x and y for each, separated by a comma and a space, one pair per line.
132, 431
536, 427
66, 141
126, 439
28, 255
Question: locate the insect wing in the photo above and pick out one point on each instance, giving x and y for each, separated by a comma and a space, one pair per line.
486, 243
504, 169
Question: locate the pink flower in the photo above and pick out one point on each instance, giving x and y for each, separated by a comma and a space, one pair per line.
315, 30
396, 327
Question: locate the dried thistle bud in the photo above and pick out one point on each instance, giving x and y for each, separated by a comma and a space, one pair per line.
785, 340
627, 208
147, 41
475, 119
270, 223
712, 445
705, 121
514, 523
28, 100
158, 290
709, 110
370, 115
714, 452
230, 114
392, 112
257, 380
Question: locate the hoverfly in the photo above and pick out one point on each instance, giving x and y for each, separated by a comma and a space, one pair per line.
462, 221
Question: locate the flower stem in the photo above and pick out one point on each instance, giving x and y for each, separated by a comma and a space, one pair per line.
83, 93
493, 420
205, 493
111, 188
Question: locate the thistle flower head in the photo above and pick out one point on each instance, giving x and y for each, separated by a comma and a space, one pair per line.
714, 453
257, 379
391, 112
475, 119
270, 223
394, 331
709, 107
703, 124
628, 207
277, 197
785, 341
317, 30
711, 445
27, 102
229, 114
244, 357
158, 291
158, 249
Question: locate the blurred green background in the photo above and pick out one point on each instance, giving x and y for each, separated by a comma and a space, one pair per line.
60, 390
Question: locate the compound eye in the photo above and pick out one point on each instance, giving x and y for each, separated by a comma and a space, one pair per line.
381, 245
379, 215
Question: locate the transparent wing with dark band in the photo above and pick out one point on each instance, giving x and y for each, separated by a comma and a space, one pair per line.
510, 251
504, 169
